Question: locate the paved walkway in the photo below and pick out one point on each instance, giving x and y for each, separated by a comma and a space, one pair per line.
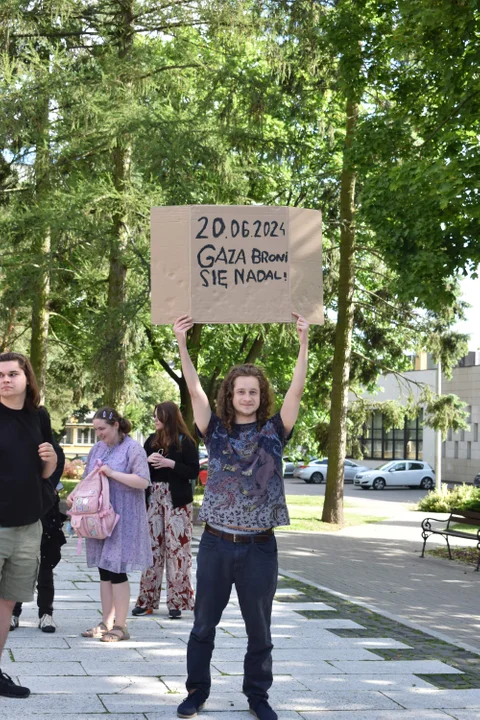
380, 564
333, 659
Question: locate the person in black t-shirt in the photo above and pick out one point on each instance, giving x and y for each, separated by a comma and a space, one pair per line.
52, 540
27, 459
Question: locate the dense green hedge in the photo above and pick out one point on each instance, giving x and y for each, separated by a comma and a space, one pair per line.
462, 497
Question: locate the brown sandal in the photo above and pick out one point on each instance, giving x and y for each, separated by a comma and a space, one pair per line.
96, 632
116, 634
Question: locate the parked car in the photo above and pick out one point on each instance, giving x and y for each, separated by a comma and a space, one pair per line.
412, 473
304, 464
476, 481
289, 465
316, 471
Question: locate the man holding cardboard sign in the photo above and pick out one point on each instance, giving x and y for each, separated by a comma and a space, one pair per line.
244, 500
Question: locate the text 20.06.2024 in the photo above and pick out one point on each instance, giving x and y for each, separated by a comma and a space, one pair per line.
245, 228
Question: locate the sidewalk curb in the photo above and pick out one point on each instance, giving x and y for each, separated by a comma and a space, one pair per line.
384, 613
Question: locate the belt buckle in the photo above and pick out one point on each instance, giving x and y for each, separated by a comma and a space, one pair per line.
235, 536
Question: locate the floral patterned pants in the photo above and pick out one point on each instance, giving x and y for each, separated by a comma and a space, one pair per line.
171, 535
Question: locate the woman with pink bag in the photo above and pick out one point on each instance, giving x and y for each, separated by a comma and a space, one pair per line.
124, 463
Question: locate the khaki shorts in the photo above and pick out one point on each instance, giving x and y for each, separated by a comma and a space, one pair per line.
19, 561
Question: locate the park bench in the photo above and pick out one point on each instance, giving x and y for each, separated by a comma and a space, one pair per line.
457, 517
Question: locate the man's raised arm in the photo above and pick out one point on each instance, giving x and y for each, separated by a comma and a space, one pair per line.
291, 404
200, 404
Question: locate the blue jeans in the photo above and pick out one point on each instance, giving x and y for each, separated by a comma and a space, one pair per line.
253, 569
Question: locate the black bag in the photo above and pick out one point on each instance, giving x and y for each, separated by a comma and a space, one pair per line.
49, 495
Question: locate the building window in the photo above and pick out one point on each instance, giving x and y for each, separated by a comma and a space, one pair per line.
69, 436
444, 449
475, 432
455, 452
462, 436
469, 450
398, 443
84, 436
450, 435
93, 437
469, 411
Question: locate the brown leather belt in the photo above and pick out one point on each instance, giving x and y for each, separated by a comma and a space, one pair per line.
235, 538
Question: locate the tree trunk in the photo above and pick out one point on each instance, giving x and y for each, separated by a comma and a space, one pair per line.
41, 313
41, 246
115, 350
6, 342
337, 439
255, 349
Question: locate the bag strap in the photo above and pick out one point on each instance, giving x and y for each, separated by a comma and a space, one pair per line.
105, 490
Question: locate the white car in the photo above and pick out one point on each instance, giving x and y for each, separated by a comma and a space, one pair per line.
316, 471
412, 473
289, 465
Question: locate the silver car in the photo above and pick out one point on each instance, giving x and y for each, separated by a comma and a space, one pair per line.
412, 473
289, 465
316, 471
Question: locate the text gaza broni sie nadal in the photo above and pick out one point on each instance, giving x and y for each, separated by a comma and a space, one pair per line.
210, 255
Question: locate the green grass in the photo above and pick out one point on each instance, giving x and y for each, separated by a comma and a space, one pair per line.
465, 528
68, 486
306, 512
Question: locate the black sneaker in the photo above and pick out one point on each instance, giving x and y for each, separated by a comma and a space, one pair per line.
174, 614
46, 624
9, 689
137, 610
14, 622
192, 704
262, 710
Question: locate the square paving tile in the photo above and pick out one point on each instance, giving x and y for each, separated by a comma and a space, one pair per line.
376, 715
420, 698
417, 667
63, 705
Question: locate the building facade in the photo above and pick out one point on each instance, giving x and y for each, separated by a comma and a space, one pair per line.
80, 437
414, 440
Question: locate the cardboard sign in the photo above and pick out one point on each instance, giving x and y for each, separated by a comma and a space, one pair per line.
236, 264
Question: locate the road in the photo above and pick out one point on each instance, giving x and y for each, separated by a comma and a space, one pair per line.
382, 502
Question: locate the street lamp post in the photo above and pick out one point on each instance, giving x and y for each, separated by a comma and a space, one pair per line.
438, 434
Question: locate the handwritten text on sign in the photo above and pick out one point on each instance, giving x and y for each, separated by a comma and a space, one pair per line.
238, 251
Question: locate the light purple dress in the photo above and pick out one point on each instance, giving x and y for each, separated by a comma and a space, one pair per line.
129, 546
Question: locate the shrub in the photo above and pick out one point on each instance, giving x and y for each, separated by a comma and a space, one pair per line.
462, 497
73, 469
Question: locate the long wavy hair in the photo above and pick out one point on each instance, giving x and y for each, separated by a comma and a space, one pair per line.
173, 426
225, 409
32, 399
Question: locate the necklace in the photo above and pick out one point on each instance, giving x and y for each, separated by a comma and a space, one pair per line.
110, 450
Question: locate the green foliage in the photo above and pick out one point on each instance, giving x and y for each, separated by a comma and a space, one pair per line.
447, 347
444, 412
231, 102
461, 497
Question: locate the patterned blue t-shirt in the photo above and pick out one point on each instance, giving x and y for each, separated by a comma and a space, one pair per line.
245, 487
